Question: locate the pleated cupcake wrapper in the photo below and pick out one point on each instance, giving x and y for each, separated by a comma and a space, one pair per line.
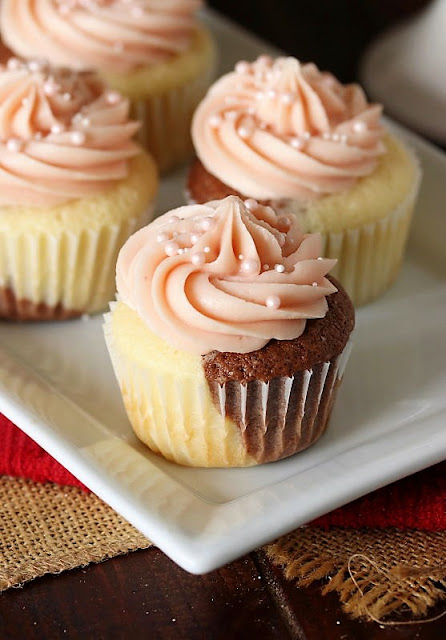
285, 415
166, 119
44, 276
225, 425
370, 256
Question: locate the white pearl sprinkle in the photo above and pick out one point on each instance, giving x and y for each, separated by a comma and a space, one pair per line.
242, 67
336, 137
66, 96
360, 126
251, 204
207, 249
297, 143
181, 250
162, 237
77, 137
112, 97
280, 268
50, 87
194, 238
36, 65
314, 284
215, 121
198, 258
207, 223
260, 95
249, 265
240, 256
14, 144
320, 258
271, 93
171, 248
244, 132
57, 128
13, 64
287, 98
273, 302
265, 267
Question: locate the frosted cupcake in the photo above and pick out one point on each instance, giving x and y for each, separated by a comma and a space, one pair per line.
154, 52
228, 340
73, 188
287, 134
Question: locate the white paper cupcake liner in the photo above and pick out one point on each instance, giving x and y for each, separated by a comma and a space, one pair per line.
370, 256
166, 119
230, 425
44, 276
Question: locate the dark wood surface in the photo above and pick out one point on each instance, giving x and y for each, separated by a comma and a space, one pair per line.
145, 595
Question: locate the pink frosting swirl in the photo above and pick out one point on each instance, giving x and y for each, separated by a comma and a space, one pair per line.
114, 35
62, 135
279, 129
217, 277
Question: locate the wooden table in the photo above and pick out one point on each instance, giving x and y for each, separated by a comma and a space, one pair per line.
144, 594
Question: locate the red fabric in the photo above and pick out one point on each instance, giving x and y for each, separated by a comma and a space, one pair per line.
418, 501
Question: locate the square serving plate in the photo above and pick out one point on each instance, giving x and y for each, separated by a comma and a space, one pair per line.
57, 384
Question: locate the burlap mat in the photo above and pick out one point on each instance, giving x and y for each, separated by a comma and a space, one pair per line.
46, 528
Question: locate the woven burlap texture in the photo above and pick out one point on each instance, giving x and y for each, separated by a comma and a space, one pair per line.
377, 573
46, 528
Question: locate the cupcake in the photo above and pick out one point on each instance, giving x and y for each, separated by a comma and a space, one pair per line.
155, 53
73, 188
286, 134
228, 340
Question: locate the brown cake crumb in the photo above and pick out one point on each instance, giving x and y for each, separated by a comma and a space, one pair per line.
12, 308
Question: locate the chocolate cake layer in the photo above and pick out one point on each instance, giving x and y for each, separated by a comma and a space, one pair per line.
202, 186
322, 339
25, 310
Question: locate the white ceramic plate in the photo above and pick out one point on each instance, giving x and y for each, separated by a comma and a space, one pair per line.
57, 384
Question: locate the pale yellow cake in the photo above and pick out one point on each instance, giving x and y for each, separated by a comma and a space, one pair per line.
60, 260
164, 96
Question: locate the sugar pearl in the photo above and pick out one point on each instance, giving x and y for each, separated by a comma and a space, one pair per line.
13, 64
288, 98
207, 223
242, 67
112, 97
251, 204
14, 144
207, 249
194, 237
244, 131
273, 302
198, 258
297, 143
249, 265
162, 237
280, 268
57, 128
215, 121
360, 126
66, 96
314, 284
171, 248
77, 137
271, 93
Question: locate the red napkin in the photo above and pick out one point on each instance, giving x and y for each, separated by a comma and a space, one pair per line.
418, 501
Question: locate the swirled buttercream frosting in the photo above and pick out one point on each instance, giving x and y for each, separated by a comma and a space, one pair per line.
227, 276
114, 35
63, 136
282, 129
